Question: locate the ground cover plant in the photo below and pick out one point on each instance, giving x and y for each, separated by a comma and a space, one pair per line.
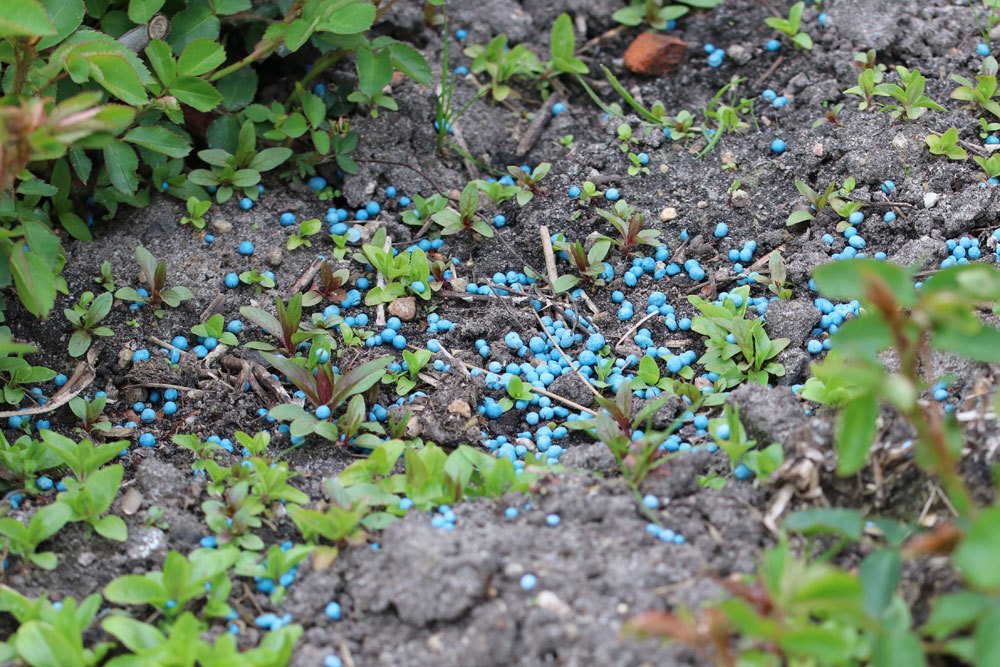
361, 332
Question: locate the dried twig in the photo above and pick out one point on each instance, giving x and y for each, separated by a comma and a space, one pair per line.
82, 376
537, 127
305, 279
550, 258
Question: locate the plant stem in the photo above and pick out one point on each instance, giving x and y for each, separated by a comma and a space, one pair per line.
24, 51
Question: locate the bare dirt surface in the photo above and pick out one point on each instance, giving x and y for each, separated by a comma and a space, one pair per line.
416, 595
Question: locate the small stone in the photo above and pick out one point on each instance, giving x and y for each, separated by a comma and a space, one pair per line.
818, 149
931, 199
740, 199
404, 308
900, 141
740, 54
668, 214
552, 603
460, 408
221, 225
131, 501
274, 256
86, 558
653, 54
702, 204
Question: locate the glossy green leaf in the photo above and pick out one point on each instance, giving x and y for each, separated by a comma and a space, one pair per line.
140, 11
196, 93
855, 433
976, 555
122, 165
25, 18
200, 56
66, 16
159, 139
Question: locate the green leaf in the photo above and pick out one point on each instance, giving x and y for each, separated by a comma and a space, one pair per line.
140, 11
828, 645
879, 573
856, 432
238, 89
818, 520
196, 93
562, 42
977, 553
350, 19
374, 71
79, 343
983, 345
159, 139
66, 15
34, 280
112, 527
269, 158
408, 60
122, 165
850, 279
134, 589
135, 635
565, 283
25, 18
200, 56
197, 21
116, 75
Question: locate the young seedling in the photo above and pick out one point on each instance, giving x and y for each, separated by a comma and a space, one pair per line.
44, 627
832, 196
446, 113
196, 210
85, 316
502, 64
946, 143
681, 126
89, 500
374, 74
257, 279
466, 217
154, 273
790, 27
983, 91
616, 425
15, 371
326, 390
725, 117
656, 14
497, 192
562, 51
20, 540
328, 286
286, 327
831, 116
235, 516
215, 327
403, 273
911, 103
406, 379
776, 277
589, 264
241, 171
424, 209
738, 349
181, 582
23, 459
91, 414
306, 229
529, 183
630, 226
83, 458
275, 564
990, 165
106, 280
